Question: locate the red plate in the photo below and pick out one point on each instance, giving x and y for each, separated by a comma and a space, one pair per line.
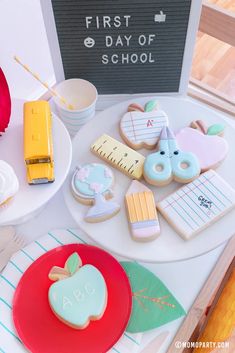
38, 327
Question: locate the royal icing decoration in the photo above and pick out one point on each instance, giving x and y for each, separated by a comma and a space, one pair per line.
151, 105
170, 162
141, 211
210, 150
80, 293
119, 156
135, 107
197, 205
9, 183
142, 129
199, 125
153, 304
215, 129
93, 183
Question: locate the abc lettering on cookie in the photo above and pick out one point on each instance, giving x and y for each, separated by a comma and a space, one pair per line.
79, 293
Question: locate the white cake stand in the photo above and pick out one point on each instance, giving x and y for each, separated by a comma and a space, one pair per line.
30, 199
114, 234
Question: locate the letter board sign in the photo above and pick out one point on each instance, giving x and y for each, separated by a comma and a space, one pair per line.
127, 46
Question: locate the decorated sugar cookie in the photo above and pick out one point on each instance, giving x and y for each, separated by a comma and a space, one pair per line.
9, 184
170, 162
197, 205
142, 127
92, 185
80, 293
141, 211
119, 156
206, 143
153, 304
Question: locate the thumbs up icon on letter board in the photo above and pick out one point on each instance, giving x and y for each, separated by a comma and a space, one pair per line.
160, 17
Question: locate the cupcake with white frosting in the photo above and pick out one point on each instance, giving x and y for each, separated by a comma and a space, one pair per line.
9, 184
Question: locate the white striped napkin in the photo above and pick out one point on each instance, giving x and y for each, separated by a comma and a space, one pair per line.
9, 341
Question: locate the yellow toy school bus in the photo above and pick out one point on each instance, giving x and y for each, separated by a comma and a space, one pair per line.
38, 145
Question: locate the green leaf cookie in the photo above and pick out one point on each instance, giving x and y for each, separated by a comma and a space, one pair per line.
73, 263
215, 129
151, 105
153, 304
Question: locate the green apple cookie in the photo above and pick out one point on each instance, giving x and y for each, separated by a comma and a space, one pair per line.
80, 293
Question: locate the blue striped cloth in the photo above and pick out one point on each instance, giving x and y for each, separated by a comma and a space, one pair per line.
9, 341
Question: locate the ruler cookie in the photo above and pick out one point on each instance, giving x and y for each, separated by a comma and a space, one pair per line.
141, 211
119, 156
197, 205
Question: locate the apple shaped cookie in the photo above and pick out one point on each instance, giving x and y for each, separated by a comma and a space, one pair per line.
141, 128
79, 295
209, 148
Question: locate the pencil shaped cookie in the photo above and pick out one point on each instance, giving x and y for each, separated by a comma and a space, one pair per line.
142, 214
198, 204
119, 156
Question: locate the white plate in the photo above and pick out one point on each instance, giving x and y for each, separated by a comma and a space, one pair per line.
114, 234
31, 198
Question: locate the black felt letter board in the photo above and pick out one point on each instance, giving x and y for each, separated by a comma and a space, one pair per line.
123, 46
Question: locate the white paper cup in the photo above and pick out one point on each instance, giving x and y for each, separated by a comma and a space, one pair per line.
83, 96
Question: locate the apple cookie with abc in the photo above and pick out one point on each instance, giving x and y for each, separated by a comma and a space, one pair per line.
79, 294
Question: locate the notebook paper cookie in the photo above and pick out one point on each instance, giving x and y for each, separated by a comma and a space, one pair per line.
141, 211
195, 206
119, 156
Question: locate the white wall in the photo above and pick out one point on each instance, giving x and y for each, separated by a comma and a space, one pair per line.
22, 33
